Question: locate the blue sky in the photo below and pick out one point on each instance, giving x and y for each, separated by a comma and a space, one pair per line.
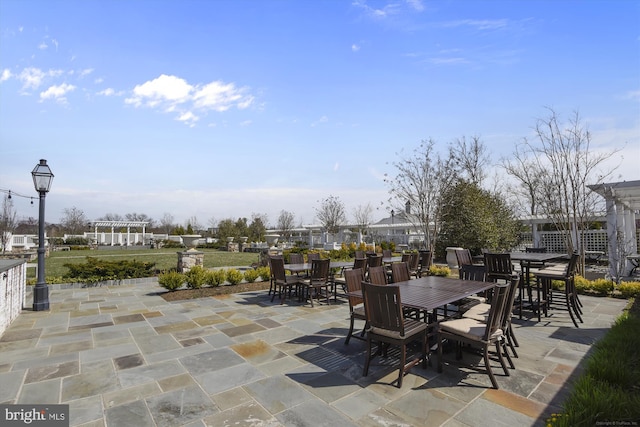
219, 109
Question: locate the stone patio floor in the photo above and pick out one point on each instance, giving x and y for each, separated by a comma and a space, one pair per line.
123, 356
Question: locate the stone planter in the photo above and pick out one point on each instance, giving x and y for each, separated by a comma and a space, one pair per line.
191, 240
272, 239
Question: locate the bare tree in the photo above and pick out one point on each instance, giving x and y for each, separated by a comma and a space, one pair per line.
194, 223
470, 158
286, 223
167, 222
111, 217
563, 164
363, 217
8, 222
331, 214
521, 166
417, 189
74, 220
134, 216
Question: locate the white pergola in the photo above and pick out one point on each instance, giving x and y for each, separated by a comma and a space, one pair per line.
120, 224
623, 206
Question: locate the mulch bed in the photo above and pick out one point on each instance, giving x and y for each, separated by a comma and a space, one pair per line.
184, 294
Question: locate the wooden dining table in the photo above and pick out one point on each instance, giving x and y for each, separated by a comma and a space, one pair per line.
429, 293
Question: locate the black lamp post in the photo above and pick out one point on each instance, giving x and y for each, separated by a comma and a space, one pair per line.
42, 178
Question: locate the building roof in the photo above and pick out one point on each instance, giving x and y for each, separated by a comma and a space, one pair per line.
626, 192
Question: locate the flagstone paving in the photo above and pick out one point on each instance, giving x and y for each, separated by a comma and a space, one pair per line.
123, 356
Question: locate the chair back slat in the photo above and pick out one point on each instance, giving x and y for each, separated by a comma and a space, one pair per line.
387, 253
374, 261
472, 272
277, 268
354, 279
296, 258
414, 262
320, 270
496, 312
312, 255
360, 254
360, 263
572, 265
498, 266
464, 257
426, 258
378, 275
511, 297
399, 272
383, 307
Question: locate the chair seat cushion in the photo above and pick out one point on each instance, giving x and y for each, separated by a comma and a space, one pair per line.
411, 327
479, 312
468, 328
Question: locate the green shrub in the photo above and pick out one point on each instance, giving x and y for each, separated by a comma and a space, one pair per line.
234, 276
96, 270
196, 277
171, 280
601, 287
171, 244
251, 275
264, 273
215, 277
79, 241
629, 289
436, 270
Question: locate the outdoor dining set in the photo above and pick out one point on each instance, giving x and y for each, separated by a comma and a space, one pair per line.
400, 305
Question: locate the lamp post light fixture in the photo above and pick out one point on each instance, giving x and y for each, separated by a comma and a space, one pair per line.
42, 178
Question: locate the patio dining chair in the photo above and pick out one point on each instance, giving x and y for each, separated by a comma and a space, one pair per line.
387, 326
360, 263
318, 281
479, 334
296, 259
481, 312
544, 289
400, 273
372, 261
354, 279
378, 275
426, 259
464, 257
283, 283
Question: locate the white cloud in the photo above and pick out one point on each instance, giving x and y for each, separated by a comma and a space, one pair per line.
107, 92
246, 123
173, 94
164, 89
6, 75
42, 46
416, 5
57, 92
86, 72
188, 118
31, 78
323, 119
355, 47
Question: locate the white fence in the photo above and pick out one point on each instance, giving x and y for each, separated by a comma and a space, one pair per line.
595, 240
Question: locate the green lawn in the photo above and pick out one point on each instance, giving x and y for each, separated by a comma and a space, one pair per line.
165, 259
